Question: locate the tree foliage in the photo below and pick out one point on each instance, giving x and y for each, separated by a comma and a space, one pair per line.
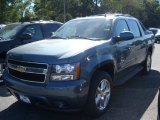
148, 11
13, 10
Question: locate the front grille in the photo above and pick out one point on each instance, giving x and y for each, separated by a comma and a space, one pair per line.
28, 71
28, 64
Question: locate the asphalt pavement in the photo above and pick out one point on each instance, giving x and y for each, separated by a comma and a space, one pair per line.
134, 100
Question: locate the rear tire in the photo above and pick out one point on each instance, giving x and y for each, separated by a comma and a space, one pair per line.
99, 94
147, 64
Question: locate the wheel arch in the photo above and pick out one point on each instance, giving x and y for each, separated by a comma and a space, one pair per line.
107, 66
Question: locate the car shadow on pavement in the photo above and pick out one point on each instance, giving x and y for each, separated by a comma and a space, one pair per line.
131, 100
19, 111
128, 102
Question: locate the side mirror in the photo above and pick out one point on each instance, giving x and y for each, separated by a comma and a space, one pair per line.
150, 32
26, 36
53, 34
126, 35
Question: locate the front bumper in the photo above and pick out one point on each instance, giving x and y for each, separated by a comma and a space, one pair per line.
61, 95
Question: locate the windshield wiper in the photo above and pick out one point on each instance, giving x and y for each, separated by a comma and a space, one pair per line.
56, 37
74, 37
78, 36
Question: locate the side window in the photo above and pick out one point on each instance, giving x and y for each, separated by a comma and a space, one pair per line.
121, 26
49, 28
35, 31
134, 28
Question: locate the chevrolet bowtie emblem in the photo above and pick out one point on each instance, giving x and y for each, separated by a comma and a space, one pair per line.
20, 69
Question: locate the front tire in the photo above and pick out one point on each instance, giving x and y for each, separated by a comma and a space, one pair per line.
99, 94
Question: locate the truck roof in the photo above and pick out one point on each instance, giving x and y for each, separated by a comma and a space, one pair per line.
108, 16
36, 22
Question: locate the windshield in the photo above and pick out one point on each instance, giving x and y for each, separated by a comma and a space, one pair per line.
94, 29
9, 31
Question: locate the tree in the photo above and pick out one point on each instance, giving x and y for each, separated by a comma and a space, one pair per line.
148, 11
152, 12
14, 10
3, 5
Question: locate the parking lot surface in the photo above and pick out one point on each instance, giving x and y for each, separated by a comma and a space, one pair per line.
134, 100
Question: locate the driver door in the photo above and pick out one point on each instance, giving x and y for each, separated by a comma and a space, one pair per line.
35, 32
125, 49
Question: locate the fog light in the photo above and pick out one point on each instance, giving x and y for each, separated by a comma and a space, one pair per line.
61, 77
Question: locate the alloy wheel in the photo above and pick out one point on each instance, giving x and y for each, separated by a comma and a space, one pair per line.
102, 95
148, 63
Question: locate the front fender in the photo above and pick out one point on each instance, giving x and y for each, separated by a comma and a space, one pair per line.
91, 64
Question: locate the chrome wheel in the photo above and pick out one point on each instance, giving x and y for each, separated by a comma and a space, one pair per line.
148, 63
102, 95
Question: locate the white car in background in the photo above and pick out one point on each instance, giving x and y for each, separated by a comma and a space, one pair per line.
156, 32
2, 25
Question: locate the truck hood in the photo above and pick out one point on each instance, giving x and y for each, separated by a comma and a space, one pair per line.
56, 48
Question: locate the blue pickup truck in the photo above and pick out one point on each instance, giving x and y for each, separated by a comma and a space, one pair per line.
76, 69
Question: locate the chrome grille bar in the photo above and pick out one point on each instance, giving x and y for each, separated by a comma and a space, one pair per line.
28, 71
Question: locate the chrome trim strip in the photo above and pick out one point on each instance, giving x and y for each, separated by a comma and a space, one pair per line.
25, 80
27, 62
28, 69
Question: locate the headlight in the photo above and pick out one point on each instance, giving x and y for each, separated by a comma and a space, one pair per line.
65, 72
